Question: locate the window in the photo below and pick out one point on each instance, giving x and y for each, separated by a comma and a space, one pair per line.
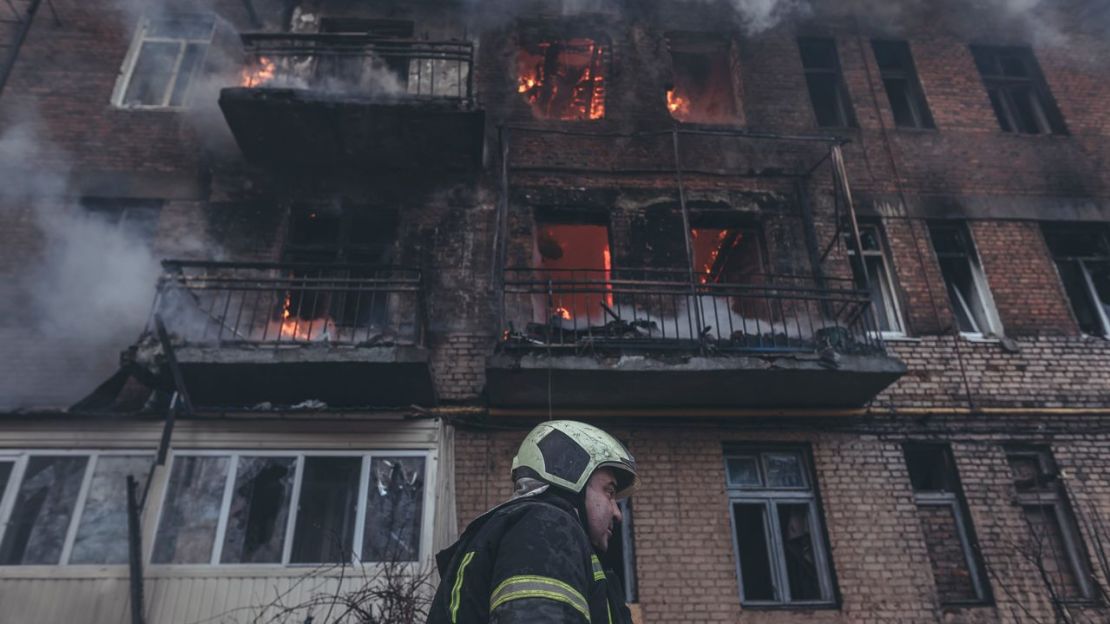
237, 508
879, 282
826, 84
1082, 255
945, 523
577, 255
66, 508
1053, 542
779, 537
563, 78
703, 89
137, 219
166, 55
903, 89
1017, 90
964, 279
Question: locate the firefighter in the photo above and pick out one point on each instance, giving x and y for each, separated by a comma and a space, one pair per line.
534, 558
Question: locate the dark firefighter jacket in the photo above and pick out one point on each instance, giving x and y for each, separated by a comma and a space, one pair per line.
527, 561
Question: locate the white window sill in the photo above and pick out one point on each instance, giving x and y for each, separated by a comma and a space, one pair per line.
980, 338
897, 337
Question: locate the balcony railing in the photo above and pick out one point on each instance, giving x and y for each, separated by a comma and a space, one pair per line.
227, 303
657, 309
360, 65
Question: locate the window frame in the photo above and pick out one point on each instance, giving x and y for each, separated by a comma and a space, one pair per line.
1090, 290
915, 95
131, 61
768, 498
978, 279
1000, 87
427, 518
893, 306
955, 501
845, 111
15, 481
1057, 498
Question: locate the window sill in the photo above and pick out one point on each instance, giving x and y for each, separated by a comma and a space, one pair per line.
980, 338
898, 337
792, 606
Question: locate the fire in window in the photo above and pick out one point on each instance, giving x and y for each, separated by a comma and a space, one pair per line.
563, 78
703, 89
576, 258
166, 55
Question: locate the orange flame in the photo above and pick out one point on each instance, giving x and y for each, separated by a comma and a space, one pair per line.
564, 80
563, 313
678, 105
258, 73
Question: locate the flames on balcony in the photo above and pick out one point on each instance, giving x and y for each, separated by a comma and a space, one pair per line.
258, 72
563, 79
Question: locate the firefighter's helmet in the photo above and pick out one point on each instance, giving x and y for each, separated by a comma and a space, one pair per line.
565, 453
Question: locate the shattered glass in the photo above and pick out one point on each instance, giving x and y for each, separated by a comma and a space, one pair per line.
187, 530
259, 510
394, 509
36, 530
102, 532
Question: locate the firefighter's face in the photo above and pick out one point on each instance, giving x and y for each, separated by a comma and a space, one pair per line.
602, 511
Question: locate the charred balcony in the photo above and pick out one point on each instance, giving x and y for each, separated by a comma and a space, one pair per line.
355, 101
651, 337
249, 333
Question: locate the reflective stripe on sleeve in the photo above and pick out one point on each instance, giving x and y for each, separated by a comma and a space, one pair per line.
455, 591
599, 572
517, 587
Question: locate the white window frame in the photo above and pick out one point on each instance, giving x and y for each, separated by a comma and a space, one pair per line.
886, 285
982, 289
131, 60
768, 498
233, 455
15, 481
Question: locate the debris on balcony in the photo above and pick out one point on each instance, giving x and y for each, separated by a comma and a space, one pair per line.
563, 79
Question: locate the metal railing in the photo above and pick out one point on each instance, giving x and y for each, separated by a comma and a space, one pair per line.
659, 308
361, 65
229, 303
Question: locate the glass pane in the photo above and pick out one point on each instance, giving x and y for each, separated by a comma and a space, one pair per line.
1079, 295
5, 474
946, 552
1046, 547
881, 296
1099, 273
818, 53
1029, 475
929, 468
743, 471
102, 534
151, 76
898, 93
1027, 109
1000, 110
394, 509
190, 64
187, 530
824, 93
969, 307
798, 550
326, 510
44, 505
784, 470
890, 55
751, 540
259, 509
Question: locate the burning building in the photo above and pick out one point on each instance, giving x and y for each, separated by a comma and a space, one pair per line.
286, 283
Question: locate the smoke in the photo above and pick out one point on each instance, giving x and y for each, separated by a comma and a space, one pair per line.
79, 287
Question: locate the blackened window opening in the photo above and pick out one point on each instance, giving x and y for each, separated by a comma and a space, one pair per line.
1017, 90
903, 88
964, 279
1082, 256
564, 78
825, 82
704, 88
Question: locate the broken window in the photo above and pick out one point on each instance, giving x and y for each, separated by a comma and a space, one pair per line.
102, 531
1052, 542
35, 531
563, 78
827, 92
256, 520
1017, 90
1082, 255
347, 65
163, 61
704, 89
326, 510
191, 513
577, 256
903, 89
967, 287
782, 558
946, 525
393, 509
136, 219
879, 282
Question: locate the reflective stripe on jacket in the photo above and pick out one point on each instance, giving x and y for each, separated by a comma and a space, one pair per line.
528, 560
